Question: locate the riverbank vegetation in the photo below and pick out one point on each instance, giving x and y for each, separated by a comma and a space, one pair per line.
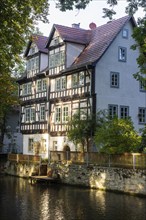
110, 135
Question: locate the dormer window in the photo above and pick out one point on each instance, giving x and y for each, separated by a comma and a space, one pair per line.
33, 49
33, 66
57, 60
55, 41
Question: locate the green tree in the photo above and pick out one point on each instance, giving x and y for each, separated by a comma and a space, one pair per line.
17, 22
117, 136
8, 99
80, 129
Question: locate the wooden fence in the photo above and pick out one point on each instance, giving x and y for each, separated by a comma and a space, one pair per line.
23, 158
127, 160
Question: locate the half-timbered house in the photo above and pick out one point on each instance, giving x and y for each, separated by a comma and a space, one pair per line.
33, 93
86, 70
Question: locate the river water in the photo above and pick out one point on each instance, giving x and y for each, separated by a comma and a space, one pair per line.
20, 200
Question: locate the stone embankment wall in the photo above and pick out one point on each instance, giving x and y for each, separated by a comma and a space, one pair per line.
21, 170
122, 180
131, 181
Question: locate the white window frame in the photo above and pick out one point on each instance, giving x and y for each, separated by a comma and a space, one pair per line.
113, 110
124, 112
44, 84
39, 85
58, 114
42, 113
122, 54
57, 57
27, 114
65, 113
142, 115
114, 79
142, 86
125, 33
32, 114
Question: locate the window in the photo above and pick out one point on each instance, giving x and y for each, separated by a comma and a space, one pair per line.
27, 89
41, 85
63, 83
124, 112
57, 57
33, 64
58, 115
122, 54
114, 79
61, 114
42, 112
74, 80
142, 86
81, 78
30, 144
29, 114
29, 86
78, 79
60, 83
142, 115
32, 114
44, 85
125, 33
65, 114
113, 111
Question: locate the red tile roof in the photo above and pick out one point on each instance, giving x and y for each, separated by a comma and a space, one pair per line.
76, 35
40, 41
101, 38
97, 40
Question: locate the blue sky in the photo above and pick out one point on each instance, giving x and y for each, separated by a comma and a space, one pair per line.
92, 13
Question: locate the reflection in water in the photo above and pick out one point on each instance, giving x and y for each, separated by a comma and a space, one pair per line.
22, 201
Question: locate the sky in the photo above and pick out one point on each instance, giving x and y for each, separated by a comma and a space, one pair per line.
92, 13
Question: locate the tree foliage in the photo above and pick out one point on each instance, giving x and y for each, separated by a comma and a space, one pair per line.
80, 129
17, 21
117, 136
8, 99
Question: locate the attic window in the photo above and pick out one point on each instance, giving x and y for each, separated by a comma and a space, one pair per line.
125, 33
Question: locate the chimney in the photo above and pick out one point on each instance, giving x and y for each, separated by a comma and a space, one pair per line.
92, 25
74, 25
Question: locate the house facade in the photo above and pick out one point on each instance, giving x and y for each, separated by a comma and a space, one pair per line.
76, 69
